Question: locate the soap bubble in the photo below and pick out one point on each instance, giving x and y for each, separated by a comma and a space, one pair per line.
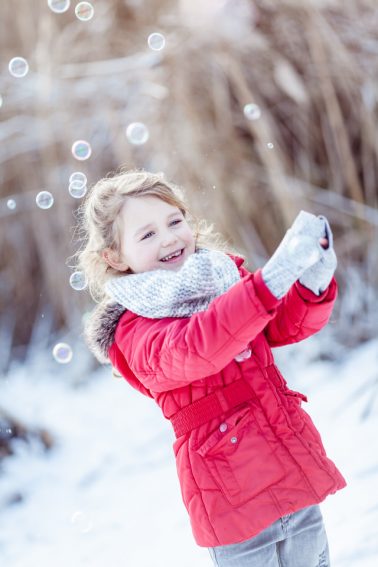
78, 184
313, 257
82, 522
79, 177
156, 41
270, 145
252, 111
59, 6
81, 150
18, 67
297, 244
44, 200
11, 204
62, 352
1, 101
137, 133
293, 243
77, 189
84, 11
78, 281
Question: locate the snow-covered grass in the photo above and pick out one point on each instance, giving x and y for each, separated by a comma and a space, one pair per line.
107, 492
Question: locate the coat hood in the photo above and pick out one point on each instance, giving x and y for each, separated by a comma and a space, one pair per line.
100, 327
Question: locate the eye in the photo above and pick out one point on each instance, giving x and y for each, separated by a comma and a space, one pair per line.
173, 222
145, 236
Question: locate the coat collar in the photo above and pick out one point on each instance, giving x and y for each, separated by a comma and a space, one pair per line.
239, 260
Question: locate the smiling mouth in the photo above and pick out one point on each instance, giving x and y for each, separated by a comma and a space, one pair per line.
173, 258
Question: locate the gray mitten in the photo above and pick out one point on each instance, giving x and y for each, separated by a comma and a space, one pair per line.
318, 277
299, 250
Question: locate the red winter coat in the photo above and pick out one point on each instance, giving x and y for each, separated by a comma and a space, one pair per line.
276, 463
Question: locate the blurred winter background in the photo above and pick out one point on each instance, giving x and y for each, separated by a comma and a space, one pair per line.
258, 109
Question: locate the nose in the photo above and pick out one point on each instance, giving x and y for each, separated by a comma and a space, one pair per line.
168, 238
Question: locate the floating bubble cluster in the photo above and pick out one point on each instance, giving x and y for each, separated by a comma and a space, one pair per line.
59, 6
156, 41
77, 189
78, 184
81, 150
137, 133
44, 200
11, 204
78, 176
84, 11
78, 281
252, 111
18, 67
62, 352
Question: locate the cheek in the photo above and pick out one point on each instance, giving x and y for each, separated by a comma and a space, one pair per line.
188, 234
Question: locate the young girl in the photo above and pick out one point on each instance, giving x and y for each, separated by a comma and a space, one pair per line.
183, 322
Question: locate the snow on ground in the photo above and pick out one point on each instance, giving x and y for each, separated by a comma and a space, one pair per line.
107, 492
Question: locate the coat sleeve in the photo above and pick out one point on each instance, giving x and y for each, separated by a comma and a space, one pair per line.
301, 313
172, 352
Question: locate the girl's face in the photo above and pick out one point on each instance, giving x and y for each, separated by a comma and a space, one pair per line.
150, 230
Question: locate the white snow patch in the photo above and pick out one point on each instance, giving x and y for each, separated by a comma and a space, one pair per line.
107, 493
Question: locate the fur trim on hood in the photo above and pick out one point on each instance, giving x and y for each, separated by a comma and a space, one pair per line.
100, 327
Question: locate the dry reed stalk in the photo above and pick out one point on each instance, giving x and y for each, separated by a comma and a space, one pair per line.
340, 138
274, 163
311, 68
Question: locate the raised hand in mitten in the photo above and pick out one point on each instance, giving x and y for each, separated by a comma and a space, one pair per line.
299, 250
318, 276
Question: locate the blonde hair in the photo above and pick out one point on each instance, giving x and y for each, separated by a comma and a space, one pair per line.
99, 226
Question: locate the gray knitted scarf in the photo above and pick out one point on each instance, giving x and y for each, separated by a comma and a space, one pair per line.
168, 293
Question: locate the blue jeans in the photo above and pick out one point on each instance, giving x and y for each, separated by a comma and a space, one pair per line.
295, 540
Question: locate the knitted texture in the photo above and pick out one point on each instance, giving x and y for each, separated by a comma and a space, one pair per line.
167, 293
299, 249
318, 277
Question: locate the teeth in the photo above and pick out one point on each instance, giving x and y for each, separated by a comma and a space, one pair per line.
171, 256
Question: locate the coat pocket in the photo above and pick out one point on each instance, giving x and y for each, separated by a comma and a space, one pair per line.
240, 459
